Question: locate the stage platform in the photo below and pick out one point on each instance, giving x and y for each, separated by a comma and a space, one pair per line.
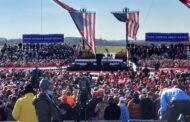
94, 65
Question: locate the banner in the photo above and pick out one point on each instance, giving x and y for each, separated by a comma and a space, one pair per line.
36, 38
167, 37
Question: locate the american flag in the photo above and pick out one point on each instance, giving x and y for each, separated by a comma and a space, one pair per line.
132, 22
85, 23
186, 2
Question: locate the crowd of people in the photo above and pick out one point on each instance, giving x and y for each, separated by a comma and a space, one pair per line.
164, 56
165, 63
57, 95
121, 95
172, 51
25, 55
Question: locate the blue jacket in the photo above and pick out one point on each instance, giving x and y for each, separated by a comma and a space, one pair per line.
124, 116
169, 95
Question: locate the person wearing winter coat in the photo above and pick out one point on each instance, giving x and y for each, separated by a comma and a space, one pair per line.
9, 108
134, 107
112, 112
124, 117
100, 108
46, 109
24, 110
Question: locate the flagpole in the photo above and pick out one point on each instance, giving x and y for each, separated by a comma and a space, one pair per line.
83, 44
126, 10
41, 16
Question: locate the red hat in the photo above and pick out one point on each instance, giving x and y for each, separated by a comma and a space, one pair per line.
94, 94
63, 100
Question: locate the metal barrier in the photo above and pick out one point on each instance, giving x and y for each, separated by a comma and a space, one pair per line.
137, 120
131, 120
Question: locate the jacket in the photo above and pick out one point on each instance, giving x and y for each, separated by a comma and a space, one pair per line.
24, 111
124, 117
8, 110
112, 112
147, 109
99, 110
46, 109
134, 109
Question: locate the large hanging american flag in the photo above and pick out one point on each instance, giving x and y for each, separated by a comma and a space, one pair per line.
133, 24
186, 2
132, 20
85, 23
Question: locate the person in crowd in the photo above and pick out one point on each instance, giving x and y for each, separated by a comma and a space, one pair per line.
147, 107
67, 108
85, 89
100, 108
46, 108
2, 113
91, 105
134, 107
124, 117
112, 112
174, 102
157, 107
24, 110
9, 108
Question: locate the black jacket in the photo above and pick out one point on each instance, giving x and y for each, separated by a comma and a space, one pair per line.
147, 109
46, 109
112, 112
69, 114
91, 107
8, 110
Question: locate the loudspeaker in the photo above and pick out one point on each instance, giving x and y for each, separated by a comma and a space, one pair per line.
99, 59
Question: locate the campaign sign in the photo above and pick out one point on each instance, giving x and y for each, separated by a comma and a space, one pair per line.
36, 38
167, 37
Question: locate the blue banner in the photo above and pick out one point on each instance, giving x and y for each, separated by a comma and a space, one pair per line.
167, 37
36, 38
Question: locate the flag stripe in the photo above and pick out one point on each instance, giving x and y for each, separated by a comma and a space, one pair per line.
94, 30
91, 31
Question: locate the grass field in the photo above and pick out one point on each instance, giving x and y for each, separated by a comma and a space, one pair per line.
111, 49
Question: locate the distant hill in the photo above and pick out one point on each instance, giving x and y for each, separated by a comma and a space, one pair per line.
72, 41
76, 40
102, 42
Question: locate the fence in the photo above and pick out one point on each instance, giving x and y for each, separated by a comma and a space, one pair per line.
131, 120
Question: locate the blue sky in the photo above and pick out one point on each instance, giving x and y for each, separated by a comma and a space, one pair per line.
19, 17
